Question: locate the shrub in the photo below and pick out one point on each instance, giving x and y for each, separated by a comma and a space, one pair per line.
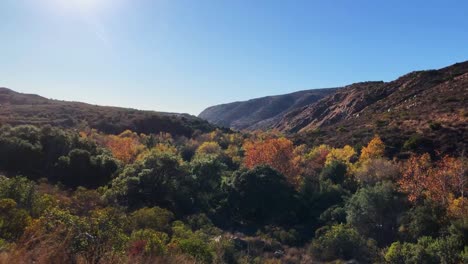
154, 243
13, 221
152, 218
341, 242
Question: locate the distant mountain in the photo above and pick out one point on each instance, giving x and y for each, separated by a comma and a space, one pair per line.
18, 108
425, 110
261, 113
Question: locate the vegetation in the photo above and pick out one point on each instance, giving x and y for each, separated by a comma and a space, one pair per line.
219, 197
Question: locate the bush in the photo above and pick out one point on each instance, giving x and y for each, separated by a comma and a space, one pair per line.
426, 250
342, 242
153, 243
13, 221
155, 218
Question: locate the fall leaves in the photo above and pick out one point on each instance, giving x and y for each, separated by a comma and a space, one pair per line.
277, 153
443, 182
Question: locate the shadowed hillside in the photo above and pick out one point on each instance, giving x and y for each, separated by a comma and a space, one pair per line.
17, 108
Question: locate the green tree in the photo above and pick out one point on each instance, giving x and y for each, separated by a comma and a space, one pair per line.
262, 195
374, 211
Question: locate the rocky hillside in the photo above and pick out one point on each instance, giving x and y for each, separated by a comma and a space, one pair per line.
426, 110
261, 113
423, 109
18, 108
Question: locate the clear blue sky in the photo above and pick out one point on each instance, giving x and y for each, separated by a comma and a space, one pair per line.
182, 56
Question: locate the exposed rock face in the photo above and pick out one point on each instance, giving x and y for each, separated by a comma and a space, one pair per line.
261, 113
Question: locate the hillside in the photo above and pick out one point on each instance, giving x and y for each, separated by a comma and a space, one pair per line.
261, 113
425, 110
18, 108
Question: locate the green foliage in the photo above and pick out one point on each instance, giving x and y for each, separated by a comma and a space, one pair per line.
19, 189
418, 143
374, 211
335, 171
207, 173
261, 195
154, 242
423, 220
155, 218
157, 179
191, 243
342, 242
133, 212
80, 168
13, 221
427, 250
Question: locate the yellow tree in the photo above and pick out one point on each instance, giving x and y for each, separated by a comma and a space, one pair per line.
375, 149
344, 155
209, 148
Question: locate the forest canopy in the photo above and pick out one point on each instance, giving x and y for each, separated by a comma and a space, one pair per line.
224, 197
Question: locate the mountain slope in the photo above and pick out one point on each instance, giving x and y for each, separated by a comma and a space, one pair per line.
18, 108
422, 110
427, 107
261, 113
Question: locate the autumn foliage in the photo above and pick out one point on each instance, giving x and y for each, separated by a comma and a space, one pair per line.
375, 149
441, 183
125, 147
277, 153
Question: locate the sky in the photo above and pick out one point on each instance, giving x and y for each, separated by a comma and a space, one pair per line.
183, 56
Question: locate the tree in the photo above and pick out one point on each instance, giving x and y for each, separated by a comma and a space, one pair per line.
277, 153
345, 155
342, 242
375, 149
80, 168
207, 173
422, 220
124, 147
209, 148
374, 211
157, 179
335, 171
445, 250
441, 183
376, 170
261, 195
415, 173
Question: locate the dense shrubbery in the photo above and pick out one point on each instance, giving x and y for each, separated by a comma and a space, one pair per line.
89, 197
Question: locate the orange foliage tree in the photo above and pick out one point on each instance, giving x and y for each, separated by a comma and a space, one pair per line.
277, 153
415, 173
125, 147
441, 183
